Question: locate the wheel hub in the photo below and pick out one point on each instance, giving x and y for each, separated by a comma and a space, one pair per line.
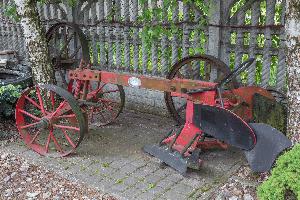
45, 123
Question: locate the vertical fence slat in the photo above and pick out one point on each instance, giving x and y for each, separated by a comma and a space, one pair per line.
22, 53
154, 53
1, 36
268, 43
109, 33
255, 12
135, 10
239, 40
175, 17
144, 47
14, 37
164, 43
213, 36
281, 70
186, 30
94, 34
47, 15
197, 44
117, 34
126, 36
6, 36
101, 35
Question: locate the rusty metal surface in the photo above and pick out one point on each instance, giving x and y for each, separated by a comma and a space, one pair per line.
155, 83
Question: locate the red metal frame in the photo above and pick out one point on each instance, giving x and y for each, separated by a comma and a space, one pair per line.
240, 98
174, 85
178, 87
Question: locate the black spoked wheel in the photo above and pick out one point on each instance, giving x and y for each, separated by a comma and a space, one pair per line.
198, 67
67, 46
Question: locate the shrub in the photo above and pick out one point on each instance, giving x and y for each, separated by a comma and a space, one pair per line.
9, 94
284, 179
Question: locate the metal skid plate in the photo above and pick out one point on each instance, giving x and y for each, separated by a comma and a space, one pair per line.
224, 125
270, 143
174, 159
171, 158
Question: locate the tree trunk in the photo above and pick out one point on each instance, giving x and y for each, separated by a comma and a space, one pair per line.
293, 67
35, 40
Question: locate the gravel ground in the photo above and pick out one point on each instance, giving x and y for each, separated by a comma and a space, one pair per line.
22, 180
242, 185
8, 129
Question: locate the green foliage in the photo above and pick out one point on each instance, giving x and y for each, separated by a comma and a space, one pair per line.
163, 15
10, 10
285, 177
8, 97
236, 7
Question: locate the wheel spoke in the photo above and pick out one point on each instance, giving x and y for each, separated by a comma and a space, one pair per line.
47, 143
67, 41
67, 116
40, 100
57, 146
68, 138
66, 127
109, 106
32, 102
102, 116
30, 125
59, 108
75, 52
104, 100
35, 136
30, 115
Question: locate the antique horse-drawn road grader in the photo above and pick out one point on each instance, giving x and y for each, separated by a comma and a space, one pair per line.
213, 111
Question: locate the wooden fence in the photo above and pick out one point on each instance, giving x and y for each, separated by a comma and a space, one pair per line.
236, 30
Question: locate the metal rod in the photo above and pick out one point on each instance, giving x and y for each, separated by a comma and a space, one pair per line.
176, 136
189, 144
168, 135
220, 96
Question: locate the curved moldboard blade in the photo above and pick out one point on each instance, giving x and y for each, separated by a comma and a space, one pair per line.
270, 143
224, 125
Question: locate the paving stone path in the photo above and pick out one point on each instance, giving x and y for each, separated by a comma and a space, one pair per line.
111, 159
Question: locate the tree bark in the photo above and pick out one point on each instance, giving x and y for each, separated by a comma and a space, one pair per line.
35, 40
293, 67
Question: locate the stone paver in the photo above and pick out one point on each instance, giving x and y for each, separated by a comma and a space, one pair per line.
111, 159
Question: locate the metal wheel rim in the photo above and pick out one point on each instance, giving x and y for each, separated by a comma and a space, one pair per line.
177, 66
31, 142
83, 44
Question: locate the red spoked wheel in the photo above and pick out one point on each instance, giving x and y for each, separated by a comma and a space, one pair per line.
49, 120
104, 101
